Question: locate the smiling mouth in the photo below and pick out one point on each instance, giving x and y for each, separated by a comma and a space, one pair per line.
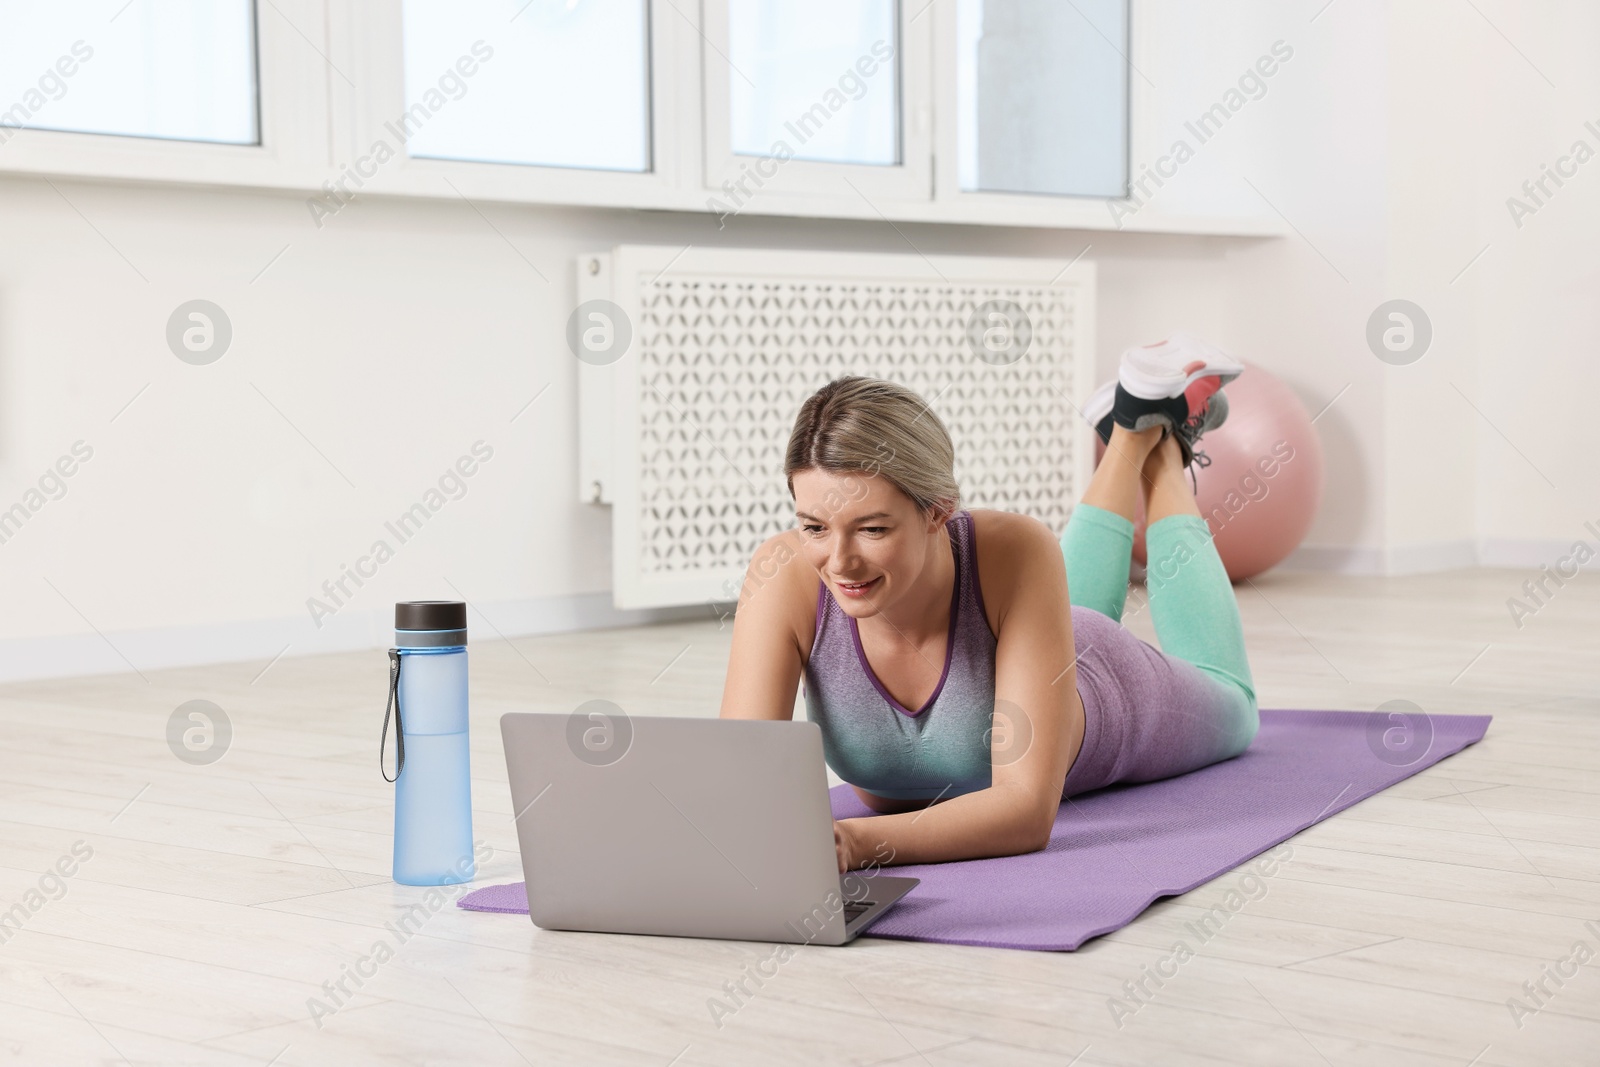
856, 586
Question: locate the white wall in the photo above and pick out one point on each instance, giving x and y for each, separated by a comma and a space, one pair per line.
1438, 69
403, 331
1313, 147
1539, 336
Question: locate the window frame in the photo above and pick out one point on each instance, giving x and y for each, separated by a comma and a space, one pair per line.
292, 115
909, 180
312, 55
373, 39
1067, 207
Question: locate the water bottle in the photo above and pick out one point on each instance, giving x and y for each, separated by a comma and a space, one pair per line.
433, 783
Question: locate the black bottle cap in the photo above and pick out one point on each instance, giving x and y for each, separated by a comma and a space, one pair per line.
430, 615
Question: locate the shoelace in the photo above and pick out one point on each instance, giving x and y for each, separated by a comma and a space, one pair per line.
1197, 458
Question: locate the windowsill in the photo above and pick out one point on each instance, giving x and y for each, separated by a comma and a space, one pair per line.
233, 167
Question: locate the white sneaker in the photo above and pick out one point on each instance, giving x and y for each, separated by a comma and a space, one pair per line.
1175, 384
1169, 368
1098, 409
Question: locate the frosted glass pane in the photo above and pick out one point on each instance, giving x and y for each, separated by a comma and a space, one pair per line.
820, 77
555, 83
1042, 96
177, 69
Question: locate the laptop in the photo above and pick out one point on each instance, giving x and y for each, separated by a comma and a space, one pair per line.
685, 827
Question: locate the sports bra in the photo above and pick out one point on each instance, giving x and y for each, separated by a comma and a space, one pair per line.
869, 738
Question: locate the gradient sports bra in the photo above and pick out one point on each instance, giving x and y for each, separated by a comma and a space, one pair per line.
869, 738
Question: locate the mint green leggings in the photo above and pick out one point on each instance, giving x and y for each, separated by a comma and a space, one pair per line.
1153, 714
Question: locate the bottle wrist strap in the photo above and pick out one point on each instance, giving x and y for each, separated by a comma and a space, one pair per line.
399, 731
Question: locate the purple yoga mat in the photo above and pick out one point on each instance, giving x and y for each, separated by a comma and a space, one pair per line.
1115, 851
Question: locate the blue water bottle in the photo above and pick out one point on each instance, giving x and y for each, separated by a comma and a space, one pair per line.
433, 782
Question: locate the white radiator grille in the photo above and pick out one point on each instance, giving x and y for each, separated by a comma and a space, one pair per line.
727, 344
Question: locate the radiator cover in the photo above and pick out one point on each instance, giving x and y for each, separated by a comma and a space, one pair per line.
682, 432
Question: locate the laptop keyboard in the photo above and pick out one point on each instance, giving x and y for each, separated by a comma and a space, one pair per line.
853, 909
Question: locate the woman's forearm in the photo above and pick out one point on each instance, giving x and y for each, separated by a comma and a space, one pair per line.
987, 822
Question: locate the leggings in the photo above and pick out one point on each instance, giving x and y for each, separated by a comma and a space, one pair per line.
1152, 714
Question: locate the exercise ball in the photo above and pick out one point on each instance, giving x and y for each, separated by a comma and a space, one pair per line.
1264, 483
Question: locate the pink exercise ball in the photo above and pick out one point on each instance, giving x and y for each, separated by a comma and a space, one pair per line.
1264, 483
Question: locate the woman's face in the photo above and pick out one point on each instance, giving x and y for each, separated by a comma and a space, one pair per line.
864, 537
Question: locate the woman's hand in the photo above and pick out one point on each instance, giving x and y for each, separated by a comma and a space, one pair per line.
844, 845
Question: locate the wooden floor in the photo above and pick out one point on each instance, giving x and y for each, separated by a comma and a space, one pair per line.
219, 899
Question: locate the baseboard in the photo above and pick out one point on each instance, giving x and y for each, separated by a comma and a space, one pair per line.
1335, 559
1523, 554
265, 640
1430, 558
1393, 562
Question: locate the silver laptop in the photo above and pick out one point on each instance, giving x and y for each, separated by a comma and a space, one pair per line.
689, 827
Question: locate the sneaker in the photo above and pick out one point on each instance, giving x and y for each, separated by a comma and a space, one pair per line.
1175, 384
1214, 414
1098, 410
1139, 414
1112, 403
1181, 364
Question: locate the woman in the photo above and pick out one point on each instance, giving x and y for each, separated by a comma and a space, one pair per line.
968, 671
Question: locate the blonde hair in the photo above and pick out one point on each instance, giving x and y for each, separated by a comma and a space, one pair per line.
879, 427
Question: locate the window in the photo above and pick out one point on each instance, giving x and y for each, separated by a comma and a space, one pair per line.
1042, 96
989, 112
179, 69
556, 83
820, 76
824, 98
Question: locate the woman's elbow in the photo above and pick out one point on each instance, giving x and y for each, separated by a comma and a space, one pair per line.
1032, 820
1035, 834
